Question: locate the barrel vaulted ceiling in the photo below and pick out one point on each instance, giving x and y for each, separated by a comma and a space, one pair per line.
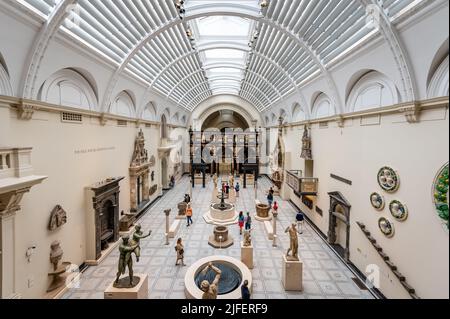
191, 50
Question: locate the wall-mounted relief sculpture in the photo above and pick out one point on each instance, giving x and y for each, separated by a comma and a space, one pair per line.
386, 227
58, 218
153, 190
388, 180
377, 201
139, 175
398, 210
441, 195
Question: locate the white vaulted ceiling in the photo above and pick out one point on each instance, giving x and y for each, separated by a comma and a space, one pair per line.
223, 46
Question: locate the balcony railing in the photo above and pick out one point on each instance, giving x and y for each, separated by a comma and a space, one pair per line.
302, 185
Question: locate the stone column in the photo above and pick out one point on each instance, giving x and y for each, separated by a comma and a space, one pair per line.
274, 221
146, 182
167, 212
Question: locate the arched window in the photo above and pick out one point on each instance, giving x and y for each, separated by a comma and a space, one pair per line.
5, 83
372, 90
164, 129
68, 87
439, 84
149, 113
123, 105
323, 107
298, 114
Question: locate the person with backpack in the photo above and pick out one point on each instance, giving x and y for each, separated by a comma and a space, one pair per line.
270, 199
300, 218
237, 189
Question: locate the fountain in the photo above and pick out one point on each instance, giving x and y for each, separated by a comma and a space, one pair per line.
221, 215
234, 273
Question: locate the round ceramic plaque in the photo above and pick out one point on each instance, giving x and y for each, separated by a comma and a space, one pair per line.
377, 201
388, 179
386, 227
398, 210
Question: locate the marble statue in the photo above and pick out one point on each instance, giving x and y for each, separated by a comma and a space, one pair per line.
247, 239
136, 240
292, 253
56, 254
126, 260
210, 290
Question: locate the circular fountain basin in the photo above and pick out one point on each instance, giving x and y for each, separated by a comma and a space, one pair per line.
234, 273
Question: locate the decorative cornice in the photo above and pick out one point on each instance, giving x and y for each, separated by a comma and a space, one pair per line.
412, 113
25, 111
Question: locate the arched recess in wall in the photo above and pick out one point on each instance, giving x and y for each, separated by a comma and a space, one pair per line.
124, 105
5, 82
298, 113
149, 113
370, 89
438, 77
322, 106
176, 118
273, 119
164, 127
183, 120
70, 87
284, 115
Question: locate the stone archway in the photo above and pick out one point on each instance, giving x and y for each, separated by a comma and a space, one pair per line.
339, 224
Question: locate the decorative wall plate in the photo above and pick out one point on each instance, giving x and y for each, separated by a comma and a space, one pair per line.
386, 227
377, 201
388, 179
398, 210
441, 195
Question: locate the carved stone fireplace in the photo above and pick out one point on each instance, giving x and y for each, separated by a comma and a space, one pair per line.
102, 220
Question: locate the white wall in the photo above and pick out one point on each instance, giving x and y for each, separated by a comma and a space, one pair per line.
420, 247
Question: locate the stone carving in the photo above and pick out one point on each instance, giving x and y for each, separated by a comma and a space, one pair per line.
247, 239
377, 201
58, 270
398, 210
388, 179
126, 260
137, 236
153, 190
440, 195
153, 176
306, 145
182, 207
140, 154
210, 290
58, 218
292, 253
386, 227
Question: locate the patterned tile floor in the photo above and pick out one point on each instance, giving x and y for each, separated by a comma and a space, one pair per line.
325, 275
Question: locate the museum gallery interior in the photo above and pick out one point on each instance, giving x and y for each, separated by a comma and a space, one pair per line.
232, 149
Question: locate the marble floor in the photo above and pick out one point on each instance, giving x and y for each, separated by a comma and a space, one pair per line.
325, 274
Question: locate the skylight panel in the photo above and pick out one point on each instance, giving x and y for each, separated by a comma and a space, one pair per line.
225, 54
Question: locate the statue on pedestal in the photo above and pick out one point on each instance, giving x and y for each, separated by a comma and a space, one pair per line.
292, 230
125, 260
247, 239
210, 290
137, 236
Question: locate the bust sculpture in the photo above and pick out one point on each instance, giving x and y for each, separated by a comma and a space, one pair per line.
125, 260
56, 254
292, 253
210, 290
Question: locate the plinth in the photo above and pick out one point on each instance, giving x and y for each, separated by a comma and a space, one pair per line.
138, 292
292, 274
247, 255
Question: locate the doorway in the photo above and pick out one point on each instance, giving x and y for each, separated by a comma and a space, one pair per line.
339, 225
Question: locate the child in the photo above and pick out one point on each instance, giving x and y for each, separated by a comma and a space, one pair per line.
275, 207
241, 221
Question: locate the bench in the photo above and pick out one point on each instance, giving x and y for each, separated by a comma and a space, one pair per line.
269, 229
173, 230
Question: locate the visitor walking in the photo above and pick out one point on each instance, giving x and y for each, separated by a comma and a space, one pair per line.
189, 214
270, 199
179, 248
187, 199
227, 189
300, 221
246, 295
248, 222
241, 221
237, 189
275, 207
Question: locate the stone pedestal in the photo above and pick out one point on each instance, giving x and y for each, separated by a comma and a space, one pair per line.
138, 292
292, 275
247, 255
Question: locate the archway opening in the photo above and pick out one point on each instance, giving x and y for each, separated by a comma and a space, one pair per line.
225, 119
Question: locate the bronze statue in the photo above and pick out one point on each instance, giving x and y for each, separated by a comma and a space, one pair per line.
247, 239
210, 290
292, 230
137, 236
126, 260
